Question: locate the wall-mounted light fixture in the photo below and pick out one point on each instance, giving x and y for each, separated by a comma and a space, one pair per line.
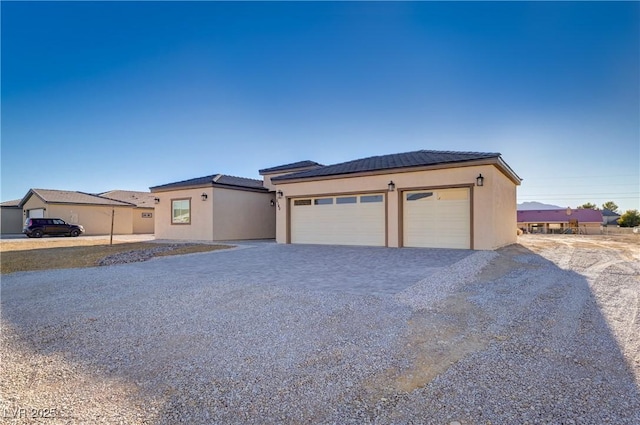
156, 200
204, 196
479, 180
392, 186
280, 194
272, 203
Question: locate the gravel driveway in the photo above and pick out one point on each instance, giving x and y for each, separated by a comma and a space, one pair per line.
542, 332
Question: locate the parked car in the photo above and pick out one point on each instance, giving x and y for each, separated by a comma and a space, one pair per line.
36, 227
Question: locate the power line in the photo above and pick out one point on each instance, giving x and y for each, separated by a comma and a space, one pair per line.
582, 177
587, 194
586, 185
579, 197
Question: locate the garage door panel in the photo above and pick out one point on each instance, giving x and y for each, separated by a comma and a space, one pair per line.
36, 213
345, 221
437, 219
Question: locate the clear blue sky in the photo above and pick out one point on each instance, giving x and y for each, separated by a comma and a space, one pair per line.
126, 95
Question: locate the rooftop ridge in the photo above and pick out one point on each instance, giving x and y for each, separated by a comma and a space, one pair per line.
243, 178
416, 158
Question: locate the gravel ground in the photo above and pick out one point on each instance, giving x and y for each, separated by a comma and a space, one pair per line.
542, 332
138, 255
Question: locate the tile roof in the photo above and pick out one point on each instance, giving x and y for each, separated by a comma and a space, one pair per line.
213, 180
240, 181
388, 162
292, 166
559, 216
609, 213
12, 203
71, 197
139, 199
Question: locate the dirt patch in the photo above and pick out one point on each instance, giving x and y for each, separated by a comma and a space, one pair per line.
25, 243
90, 255
626, 245
437, 339
504, 263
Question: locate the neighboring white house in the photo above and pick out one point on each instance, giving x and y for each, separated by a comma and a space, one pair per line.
609, 217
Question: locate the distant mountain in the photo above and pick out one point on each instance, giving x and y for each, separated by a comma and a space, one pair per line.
525, 206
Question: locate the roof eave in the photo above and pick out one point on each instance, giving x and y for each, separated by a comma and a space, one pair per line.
508, 171
289, 170
497, 161
123, 204
164, 188
208, 185
244, 188
29, 194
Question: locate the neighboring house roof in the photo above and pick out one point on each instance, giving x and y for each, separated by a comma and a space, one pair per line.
609, 213
71, 197
139, 199
292, 166
560, 216
397, 161
219, 180
15, 203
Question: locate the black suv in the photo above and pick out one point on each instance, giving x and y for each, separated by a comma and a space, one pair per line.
36, 227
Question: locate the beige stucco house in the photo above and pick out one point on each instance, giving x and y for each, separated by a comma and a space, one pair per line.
143, 211
11, 217
93, 212
464, 200
214, 208
437, 199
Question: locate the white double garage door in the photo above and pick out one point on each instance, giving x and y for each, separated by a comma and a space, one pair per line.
430, 218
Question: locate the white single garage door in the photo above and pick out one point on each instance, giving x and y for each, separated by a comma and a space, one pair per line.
339, 220
36, 213
439, 218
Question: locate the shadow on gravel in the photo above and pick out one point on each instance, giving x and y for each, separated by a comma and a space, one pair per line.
236, 337
531, 344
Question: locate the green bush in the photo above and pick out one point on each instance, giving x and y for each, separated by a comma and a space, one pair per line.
631, 218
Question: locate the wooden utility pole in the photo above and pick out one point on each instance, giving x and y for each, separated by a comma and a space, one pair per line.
113, 213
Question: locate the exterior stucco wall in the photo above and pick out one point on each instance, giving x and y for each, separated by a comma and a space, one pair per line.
489, 232
591, 228
96, 219
34, 203
504, 211
201, 226
239, 214
143, 225
11, 220
266, 179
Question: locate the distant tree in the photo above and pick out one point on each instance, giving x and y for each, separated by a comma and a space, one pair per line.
611, 206
631, 218
588, 206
